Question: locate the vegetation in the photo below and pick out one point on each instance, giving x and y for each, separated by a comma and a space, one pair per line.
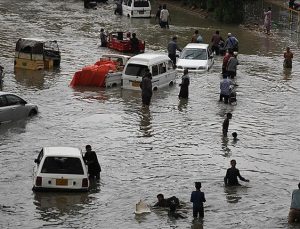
228, 11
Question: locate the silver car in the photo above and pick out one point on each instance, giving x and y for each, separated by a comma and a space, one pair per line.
13, 108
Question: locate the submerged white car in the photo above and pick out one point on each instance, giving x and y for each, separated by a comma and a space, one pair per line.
13, 107
196, 57
60, 169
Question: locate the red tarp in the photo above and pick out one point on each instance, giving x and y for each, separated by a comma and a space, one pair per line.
93, 75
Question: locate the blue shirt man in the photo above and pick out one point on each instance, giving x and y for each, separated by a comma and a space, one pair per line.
197, 198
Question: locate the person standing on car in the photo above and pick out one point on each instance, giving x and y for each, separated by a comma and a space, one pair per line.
172, 47
146, 86
92, 162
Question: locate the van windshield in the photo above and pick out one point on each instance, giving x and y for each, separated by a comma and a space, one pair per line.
141, 3
194, 54
62, 165
135, 69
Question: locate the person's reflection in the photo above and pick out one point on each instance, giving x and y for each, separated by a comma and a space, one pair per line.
287, 72
231, 193
197, 224
145, 123
226, 150
52, 206
182, 105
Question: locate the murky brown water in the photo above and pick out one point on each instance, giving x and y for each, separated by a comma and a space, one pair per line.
142, 153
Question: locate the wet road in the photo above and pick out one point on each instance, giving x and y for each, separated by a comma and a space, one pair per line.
146, 152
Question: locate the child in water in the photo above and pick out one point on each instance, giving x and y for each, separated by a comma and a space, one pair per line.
197, 197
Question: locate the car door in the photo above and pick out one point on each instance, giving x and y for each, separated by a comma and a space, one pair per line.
4, 110
210, 58
17, 107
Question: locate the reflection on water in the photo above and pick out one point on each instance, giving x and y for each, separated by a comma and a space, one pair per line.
145, 124
287, 73
30, 78
183, 104
235, 193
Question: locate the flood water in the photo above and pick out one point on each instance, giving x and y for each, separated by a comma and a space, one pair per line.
161, 150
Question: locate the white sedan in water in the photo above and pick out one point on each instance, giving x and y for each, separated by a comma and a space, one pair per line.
60, 169
13, 107
196, 57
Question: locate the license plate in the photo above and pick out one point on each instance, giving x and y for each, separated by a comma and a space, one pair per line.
141, 12
135, 83
62, 182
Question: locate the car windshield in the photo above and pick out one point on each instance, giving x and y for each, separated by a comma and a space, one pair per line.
194, 54
62, 165
135, 69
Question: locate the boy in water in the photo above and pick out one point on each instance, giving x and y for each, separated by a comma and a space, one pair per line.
226, 124
197, 197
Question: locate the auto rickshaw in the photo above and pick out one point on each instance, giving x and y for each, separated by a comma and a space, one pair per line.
36, 54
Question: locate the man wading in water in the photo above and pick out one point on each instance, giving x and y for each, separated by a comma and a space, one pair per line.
232, 174
146, 86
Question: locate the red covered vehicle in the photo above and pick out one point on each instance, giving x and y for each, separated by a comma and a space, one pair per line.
106, 72
121, 41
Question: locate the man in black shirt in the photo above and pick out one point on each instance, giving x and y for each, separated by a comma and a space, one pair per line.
92, 162
232, 174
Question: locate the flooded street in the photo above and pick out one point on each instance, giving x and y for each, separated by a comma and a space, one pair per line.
145, 152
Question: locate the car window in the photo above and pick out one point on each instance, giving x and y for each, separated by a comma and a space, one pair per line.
162, 68
194, 54
2, 101
62, 165
154, 70
135, 69
13, 100
141, 3
40, 156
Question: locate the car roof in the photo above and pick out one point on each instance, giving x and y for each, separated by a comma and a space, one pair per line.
115, 55
62, 151
197, 45
148, 58
7, 93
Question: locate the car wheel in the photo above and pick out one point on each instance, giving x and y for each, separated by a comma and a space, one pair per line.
32, 113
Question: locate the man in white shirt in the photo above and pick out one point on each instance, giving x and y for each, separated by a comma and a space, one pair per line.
164, 17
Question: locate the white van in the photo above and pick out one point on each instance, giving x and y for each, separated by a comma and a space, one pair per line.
136, 8
160, 66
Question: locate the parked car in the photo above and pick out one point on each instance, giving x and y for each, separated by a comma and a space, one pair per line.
13, 107
160, 66
60, 169
196, 57
136, 8
36, 54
